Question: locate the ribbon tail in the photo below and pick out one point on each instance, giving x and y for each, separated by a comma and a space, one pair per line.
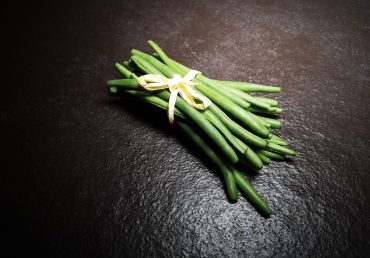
190, 75
206, 101
190, 95
171, 106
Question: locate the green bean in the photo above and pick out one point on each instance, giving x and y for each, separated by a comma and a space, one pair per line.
242, 115
276, 124
254, 197
129, 64
249, 98
165, 58
202, 122
136, 91
250, 155
126, 63
250, 87
179, 65
113, 90
223, 129
228, 176
262, 121
209, 115
233, 97
165, 70
156, 56
279, 139
236, 129
281, 149
125, 72
277, 142
121, 69
143, 65
272, 155
253, 158
265, 112
265, 159
271, 102
126, 83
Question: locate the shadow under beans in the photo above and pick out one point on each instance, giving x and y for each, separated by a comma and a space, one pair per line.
247, 170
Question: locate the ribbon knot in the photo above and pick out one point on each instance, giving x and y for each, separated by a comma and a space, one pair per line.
176, 85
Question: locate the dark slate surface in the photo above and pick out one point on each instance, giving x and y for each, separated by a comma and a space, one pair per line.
88, 176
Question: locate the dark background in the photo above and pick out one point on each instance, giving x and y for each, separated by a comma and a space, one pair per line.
85, 175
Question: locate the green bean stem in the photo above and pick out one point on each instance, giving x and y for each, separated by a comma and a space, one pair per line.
229, 179
278, 139
250, 155
266, 160
272, 155
254, 197
249, 98
250, 87
225, 132
273, 112
143, 65
271, 102
236, 129
281, 149
276, 124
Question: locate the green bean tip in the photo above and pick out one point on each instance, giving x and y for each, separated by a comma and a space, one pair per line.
112, 89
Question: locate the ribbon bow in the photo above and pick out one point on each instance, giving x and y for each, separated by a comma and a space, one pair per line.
176, 85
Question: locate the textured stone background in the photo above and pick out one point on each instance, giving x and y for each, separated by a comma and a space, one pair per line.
88, 176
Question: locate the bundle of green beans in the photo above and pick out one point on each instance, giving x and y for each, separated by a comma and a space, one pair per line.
235, 128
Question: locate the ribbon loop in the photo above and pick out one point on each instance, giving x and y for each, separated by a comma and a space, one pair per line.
176, 85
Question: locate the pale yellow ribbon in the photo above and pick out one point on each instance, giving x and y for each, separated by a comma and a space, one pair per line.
176, 85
